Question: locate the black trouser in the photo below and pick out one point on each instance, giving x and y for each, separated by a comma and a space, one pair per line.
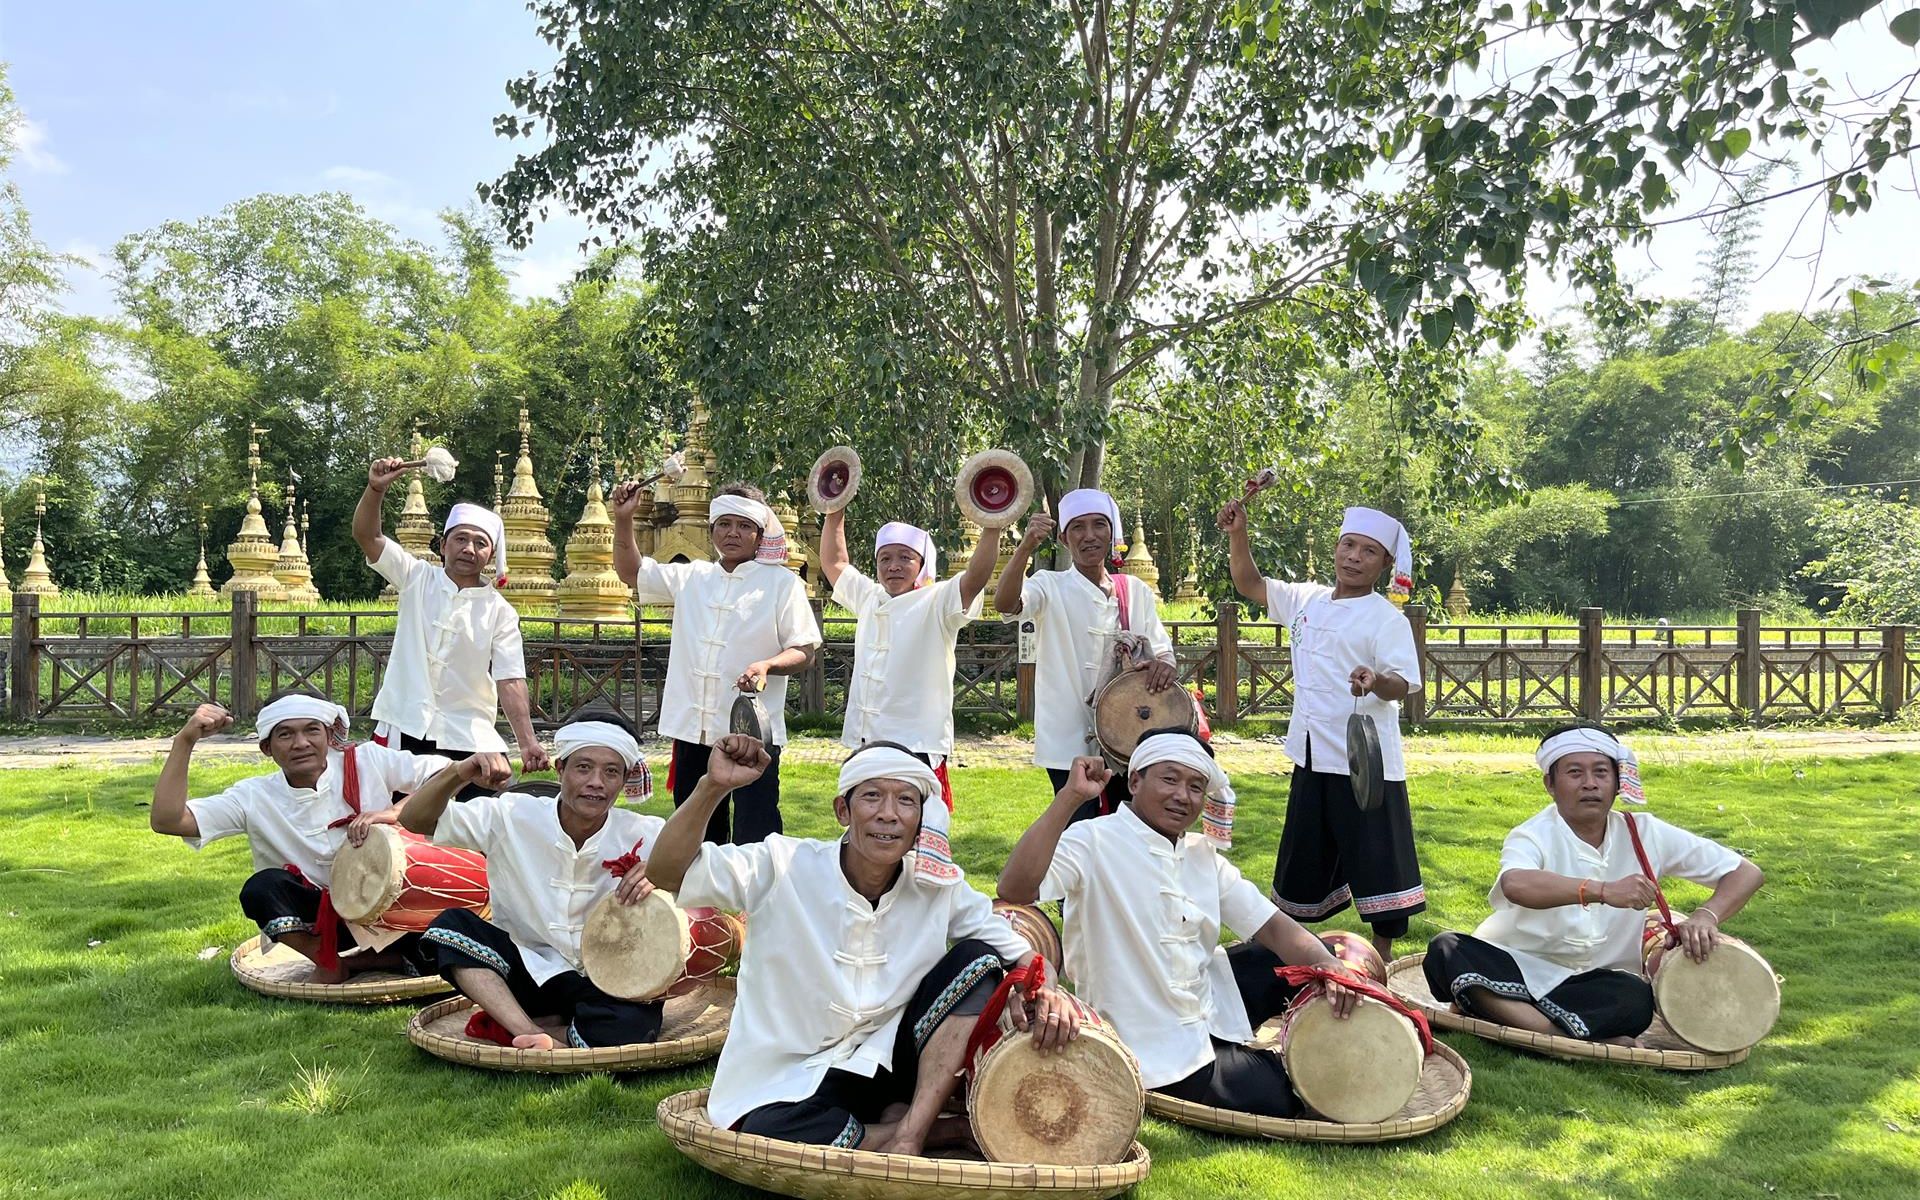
839, 1109
1593, 1004
279, 902
1117, 792
1242, 1078
414, 745
459, 939
758, 803
1332, 854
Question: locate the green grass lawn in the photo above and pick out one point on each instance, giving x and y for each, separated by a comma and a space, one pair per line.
131, 1067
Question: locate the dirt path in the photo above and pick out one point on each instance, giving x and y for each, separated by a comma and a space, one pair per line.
1476, 751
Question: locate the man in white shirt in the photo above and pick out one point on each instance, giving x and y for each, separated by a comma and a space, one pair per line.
1145, 899
1352, 651
869, 960
549, 861
903, 643
325, 794
1561, 953
1084, 616
457, 659
739, 625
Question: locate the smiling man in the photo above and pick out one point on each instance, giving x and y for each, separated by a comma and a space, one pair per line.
870, 958
1561, 953
549, 861
1352, 651
295, 819
457, 659
1145, 899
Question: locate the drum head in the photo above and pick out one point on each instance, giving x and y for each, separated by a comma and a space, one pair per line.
1356, 952
1726, 1003
636, 951
994, 489
834, 479
1364, 767
368, 878
1357, 1071
1078, 1107
749, 716
1125, 709
1036, 927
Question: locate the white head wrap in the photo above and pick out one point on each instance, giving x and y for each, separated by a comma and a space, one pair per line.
302, 708
1371, 522
773, 536
1086, 502
1216, 821
604, 734
1584, 740
488, 522
933, 856
914, 538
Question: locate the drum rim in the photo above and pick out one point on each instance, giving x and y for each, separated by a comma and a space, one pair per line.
1100, 1034
396, 875
384, 989
1367, 1004
1113, 751
567, 1060
608, 904
1313, 1129
1751, 956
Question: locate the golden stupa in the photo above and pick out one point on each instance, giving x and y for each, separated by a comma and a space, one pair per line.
37, 580
529, 552
292, 569
415, 530
6, 589
1189, 586
202, 585
643, 531
591, 590
687, 539
499, 477
958, 560
797, 556
252, 552
1139, 560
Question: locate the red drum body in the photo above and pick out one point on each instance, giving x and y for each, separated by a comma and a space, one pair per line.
399, 880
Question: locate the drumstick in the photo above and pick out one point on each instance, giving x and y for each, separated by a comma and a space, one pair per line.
438, 462
1262, 479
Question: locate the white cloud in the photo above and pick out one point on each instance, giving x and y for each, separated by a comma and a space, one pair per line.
30, 141
358, 177
545, 274
386, 198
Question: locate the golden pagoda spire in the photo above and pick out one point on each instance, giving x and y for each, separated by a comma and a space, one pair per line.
1139, 560
499, 477
306, 519
1189, 586
6, 589
202, 585
592, 589
529, 552
687, 538
291, 567
415, 530
252, 553
37, 580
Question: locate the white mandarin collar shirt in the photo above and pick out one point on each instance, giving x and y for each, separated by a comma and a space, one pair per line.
1554, 944
540, 885
1142, 938
723, 622
825, 975
1076, 624
451, 647
1328, 639
903, 662
286, 825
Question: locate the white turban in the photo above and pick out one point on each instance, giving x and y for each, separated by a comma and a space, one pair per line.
604, 734
1216, 821
914, 538
488, 522
301, 708
933, 856
741, 506
1086, 502
1371, 522
1585, 740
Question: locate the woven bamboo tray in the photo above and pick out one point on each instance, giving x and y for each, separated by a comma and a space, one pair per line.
1664, 1051
695, 1028
824, 1173
1445, 1083
289, 975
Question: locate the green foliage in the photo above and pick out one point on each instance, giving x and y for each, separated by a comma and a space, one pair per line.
1872, 559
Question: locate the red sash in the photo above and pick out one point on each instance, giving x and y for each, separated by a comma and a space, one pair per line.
1640, 852
326, 924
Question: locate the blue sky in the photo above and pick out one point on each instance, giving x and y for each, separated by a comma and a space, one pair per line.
140, 113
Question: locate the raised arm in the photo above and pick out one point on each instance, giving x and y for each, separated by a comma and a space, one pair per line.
366, 514
833, 545
422, 811
1008, 595
1247, 579
626, 550
1032, 855
734, 762
170, 814
979, 570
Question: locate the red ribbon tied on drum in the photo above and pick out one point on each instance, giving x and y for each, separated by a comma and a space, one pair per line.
1301, 976
1030, 979
618, 867
326, 924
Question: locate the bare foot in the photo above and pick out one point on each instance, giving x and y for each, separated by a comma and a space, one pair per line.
533, 1041
951, 1133
337, 974
1630, 1042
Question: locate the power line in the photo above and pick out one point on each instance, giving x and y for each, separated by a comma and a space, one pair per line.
1819, 487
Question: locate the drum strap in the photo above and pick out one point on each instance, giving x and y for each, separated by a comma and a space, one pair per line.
349, 786
1302, 976
1119, 583
618, 867
1660, 897
1030, 978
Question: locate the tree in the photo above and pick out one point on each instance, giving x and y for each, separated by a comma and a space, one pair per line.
1727, 262
1488, 538
1873, 543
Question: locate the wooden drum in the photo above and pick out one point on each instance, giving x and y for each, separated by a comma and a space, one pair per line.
1124, 710
400, 880
656, 948
1037, 928
1357, 1071
1078, 1107
1722, 1005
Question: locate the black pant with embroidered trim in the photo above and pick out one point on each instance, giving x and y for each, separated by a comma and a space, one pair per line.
1241, 1078
278, 901
459, 939
1332, 854
414, 745
839, 1109
1118, 791
1594, 1005
757, 805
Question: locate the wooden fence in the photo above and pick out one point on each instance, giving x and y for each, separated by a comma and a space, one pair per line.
131, 666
